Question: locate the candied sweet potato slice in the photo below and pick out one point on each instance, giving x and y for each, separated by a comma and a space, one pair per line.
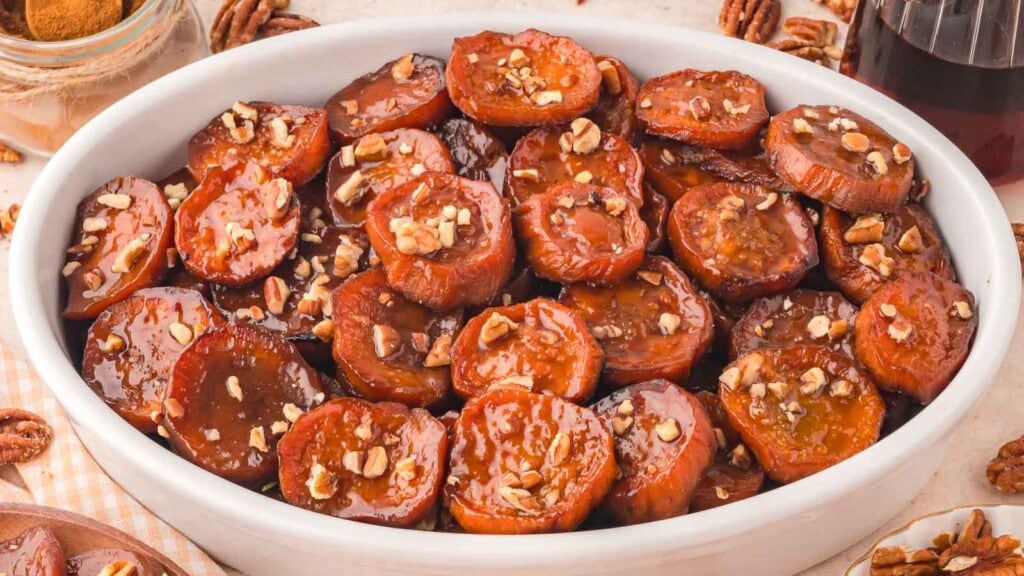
122, 233
862, 253
290, 142
527, 463
651, 325
552, 155
735, 474
238, 225
445, 241
741, 241
477, 153
715, 109
132, 346
408, 92
799, 317
673, 168
377, 163
840, 158
914, 333
581, 233
801, 409
93, 563
388, 347
231, 395
664, 442
539, 345
615, 111
34, 552
527, 79
654, 213
380, 463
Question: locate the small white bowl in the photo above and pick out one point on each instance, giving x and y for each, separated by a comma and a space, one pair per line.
779, 532
919, 533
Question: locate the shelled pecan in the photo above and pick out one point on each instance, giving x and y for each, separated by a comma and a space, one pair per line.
8, 217
842, 8
751, 20
812, 31
23, 435
9, 155
285, 22
803, 50
239, 22
1006, 470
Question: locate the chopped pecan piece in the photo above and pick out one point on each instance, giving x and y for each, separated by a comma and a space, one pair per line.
23, 435
9, 155
751, 20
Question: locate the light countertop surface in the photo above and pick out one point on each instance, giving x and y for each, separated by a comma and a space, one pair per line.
998, 417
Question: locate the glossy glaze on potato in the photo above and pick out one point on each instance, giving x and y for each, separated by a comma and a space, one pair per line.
655, 215
915, 332
735, 474
715, 109
408, 92
653, 324
381, 463
581, 233
232, 394
486, 78
238, 225
673, 168
805, 317
562, 451
34, 552
119, 244
742, 242
615, 111
549, 350
132, 346
811, 148
664, 442
382, 343
477, 153
801, 409
407, 229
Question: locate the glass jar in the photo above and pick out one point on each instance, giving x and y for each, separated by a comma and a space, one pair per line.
48, 90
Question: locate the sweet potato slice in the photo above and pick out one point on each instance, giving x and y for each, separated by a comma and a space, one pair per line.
526, 463
714, 109
238, 225
409, 92
122, 233
651, 325
132, 346
477, 153
539, 345
379, 463
861, 254
914, 333
581, 233
840, 158
664, 443
673, 168
615, 111
34, 552
742, 242
290, 142
734, 475
552, 155
801, 409
525, 79
388, 347
377, 163
799, 317
445, 241
232, 394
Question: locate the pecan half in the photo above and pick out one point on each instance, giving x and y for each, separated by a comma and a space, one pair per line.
1018, 234
818, 33
285, 22
751, 20
842, 8
23, 435
801, 49
9, 155
1006, 470
237, 23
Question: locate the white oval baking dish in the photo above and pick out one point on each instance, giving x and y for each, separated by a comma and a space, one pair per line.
779, 532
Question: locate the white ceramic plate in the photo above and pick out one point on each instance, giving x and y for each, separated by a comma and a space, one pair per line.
919, 533
779, 532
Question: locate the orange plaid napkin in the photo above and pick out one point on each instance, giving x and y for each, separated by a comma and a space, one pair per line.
66, 476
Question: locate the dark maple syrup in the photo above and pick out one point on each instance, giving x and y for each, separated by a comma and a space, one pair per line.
958, 63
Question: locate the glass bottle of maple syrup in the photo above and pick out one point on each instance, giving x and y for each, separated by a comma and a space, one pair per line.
957, 63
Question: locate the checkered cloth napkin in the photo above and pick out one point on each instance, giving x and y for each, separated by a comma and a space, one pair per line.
66, 476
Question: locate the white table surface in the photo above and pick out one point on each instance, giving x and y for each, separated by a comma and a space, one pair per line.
998, 417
